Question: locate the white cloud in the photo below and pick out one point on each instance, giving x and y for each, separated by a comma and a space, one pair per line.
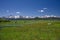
40, 10
17, 12
44, 8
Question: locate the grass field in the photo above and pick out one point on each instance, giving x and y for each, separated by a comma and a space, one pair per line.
30, 30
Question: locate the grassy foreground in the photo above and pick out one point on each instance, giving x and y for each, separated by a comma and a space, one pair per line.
30, 30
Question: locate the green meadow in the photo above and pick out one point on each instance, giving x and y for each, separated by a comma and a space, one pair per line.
30, 30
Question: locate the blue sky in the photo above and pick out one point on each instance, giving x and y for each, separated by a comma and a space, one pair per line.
29, 7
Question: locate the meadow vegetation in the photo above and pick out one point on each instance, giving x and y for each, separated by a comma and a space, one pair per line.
30, 30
